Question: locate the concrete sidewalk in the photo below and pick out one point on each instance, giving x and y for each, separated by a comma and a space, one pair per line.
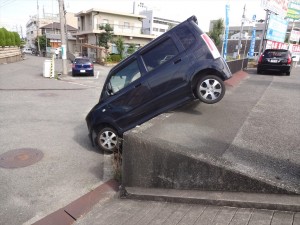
130, 212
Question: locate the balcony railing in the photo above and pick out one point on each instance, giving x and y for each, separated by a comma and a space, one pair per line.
123, 29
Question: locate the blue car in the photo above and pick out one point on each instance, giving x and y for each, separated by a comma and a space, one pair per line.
82, 66
177, 67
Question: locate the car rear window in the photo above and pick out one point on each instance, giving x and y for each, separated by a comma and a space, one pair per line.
81, 61
271, 54
186, 36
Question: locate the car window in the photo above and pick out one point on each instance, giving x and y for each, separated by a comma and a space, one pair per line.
125, 76
81, 61
186, 36
160, 54
271, 54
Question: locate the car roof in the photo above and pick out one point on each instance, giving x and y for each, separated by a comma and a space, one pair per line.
276, 49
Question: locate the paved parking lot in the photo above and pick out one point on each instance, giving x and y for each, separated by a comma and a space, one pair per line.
47, 115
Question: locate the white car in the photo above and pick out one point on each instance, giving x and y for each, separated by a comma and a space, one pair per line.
27, 51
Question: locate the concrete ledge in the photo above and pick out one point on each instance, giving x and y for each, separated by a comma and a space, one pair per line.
232, 199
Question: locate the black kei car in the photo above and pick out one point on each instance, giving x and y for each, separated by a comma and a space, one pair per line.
177, 67
279, 60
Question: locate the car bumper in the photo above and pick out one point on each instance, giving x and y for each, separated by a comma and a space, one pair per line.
281, 68
83, 71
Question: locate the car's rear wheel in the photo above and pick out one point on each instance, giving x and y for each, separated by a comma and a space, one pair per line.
288, 73
108, 140
210, 89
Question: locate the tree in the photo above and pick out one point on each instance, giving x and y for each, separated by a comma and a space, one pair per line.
217, 31
120, 45
12, 39
2, 38
131, 49
105, 37
43, 42
17, 39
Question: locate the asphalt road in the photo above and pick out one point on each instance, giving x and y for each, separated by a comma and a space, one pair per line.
47, 115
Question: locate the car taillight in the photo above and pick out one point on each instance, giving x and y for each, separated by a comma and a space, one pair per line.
260, 58
73, 65
289, 60
92, 65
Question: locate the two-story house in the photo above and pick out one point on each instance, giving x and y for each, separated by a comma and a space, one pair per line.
52, 32
128, 26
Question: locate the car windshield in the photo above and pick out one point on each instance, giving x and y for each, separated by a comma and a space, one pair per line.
81, 61
271, 54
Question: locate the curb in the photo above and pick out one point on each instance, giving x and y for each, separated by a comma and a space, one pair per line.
231, 199
236, 78
73, 211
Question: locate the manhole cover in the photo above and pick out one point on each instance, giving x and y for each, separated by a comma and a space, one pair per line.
20, 158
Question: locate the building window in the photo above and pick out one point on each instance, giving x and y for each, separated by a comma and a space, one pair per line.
162, 30
126, 25
104, 21
155, 29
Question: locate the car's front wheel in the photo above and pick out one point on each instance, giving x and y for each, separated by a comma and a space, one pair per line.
108, 140
210, 89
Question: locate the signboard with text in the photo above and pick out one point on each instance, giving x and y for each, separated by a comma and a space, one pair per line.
294, 10
276, 45
276, 29
295, 35
279, 7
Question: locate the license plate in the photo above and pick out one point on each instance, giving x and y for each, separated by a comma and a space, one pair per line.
274, 61
82, 71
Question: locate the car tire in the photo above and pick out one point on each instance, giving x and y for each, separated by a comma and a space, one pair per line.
210, 89
258, 71
288, 73
107, 140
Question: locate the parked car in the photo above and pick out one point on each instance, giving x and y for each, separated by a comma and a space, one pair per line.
177, 67
27, 51
275, 60
82, 66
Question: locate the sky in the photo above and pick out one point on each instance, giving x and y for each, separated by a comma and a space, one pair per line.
14, 14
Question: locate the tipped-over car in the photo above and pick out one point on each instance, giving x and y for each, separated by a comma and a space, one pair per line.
177, 67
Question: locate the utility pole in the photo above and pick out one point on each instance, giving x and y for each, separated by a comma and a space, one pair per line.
38, 27
241, 31
63, 36
261, 46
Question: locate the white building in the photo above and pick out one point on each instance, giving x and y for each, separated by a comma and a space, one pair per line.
244, 36
155, 25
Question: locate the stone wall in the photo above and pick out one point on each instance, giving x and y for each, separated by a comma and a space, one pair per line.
10, 55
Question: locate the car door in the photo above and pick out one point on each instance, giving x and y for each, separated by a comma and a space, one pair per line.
130, 94
166, 65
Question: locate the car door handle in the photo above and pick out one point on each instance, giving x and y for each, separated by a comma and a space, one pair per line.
177, 61
137, 85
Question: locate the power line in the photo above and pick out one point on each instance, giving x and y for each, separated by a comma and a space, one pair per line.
6, 2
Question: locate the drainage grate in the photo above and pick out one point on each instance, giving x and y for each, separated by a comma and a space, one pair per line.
18, 158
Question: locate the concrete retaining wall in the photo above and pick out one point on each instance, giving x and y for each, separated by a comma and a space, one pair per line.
10, 55
153, 163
